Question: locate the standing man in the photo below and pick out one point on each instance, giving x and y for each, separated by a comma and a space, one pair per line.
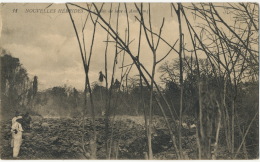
17, 116
17, 136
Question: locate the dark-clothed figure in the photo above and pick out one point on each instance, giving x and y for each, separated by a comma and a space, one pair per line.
27, 122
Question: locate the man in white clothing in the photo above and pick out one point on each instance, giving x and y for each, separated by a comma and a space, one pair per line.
16, 136
17, 116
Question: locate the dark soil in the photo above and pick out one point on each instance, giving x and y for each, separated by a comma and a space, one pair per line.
62, 139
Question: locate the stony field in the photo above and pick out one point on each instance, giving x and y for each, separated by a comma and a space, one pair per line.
61, 138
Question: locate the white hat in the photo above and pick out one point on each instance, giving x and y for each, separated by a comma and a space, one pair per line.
19, 117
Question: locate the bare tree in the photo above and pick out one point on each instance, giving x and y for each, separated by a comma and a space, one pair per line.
86, 63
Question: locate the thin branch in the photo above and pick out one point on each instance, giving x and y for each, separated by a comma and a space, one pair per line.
167, 52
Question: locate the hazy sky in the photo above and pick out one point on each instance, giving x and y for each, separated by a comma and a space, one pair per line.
47, 46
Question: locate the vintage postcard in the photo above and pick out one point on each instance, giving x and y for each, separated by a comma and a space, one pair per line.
129, 81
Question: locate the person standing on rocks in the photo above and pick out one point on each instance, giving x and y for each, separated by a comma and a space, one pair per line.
17, 136
17, 116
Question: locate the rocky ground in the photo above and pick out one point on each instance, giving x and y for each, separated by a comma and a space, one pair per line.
62, 139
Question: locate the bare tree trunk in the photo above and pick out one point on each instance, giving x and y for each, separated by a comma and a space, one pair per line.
107, 95
215, 145
149, 118
200, 125
232, 127
198, 140
178, 12
146, 118
84, 118
93, 144
226, 118
108, 112
150, 153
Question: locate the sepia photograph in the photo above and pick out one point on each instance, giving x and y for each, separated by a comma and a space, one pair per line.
129, 81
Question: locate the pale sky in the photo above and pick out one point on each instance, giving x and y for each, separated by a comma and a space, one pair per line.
47, 46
